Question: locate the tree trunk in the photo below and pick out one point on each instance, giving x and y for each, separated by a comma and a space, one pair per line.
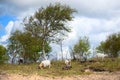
61, 49
43, 50
74, 58
13, 58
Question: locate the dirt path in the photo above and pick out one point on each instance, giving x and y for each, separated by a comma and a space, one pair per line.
95, 76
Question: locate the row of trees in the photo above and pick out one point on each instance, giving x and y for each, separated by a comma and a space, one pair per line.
111, 47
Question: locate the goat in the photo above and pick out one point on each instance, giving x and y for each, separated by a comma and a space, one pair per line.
68, 62
44, 63
67, 65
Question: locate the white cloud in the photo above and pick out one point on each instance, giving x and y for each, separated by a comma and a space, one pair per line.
11, 27
89, 8
96, 29
96, 8
17, 26
8, 30
25, 2
95, 18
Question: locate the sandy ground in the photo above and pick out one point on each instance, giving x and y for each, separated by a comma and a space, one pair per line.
95, 76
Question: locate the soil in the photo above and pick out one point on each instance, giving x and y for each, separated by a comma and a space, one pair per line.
94, 76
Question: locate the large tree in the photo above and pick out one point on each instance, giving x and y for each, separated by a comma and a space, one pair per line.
111, 45
82, 47
50, 22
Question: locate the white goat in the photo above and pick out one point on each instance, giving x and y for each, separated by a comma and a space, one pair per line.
101, 55
45, 63
68, 62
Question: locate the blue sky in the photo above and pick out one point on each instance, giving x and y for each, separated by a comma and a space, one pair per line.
95, 18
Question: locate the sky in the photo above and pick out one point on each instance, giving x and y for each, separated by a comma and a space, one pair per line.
94, 18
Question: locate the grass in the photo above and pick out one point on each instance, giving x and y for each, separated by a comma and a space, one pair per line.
56, 68
112, 64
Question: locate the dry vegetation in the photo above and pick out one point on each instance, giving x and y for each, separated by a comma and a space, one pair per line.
109, 65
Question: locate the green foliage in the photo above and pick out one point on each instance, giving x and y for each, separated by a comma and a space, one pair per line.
101, 47
14, 45
111, 46
2, 53
49, 22
25, 45
82, 46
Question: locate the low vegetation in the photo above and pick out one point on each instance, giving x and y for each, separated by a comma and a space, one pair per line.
109, 64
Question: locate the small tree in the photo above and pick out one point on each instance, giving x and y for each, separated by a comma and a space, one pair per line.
2, 53
14, 47
81, 47
111, 45
49, 22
